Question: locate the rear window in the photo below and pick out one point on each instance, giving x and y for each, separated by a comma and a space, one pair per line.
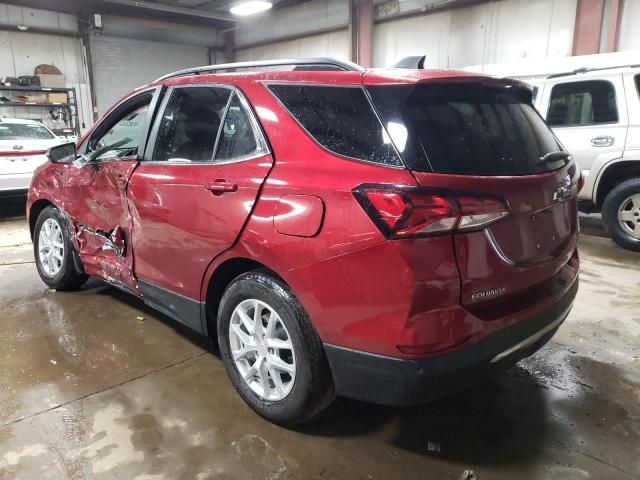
466, 129
23, 131
340, 119
575, 104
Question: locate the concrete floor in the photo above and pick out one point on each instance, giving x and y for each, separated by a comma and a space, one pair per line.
88, 391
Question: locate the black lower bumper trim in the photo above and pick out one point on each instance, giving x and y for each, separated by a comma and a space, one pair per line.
394, 381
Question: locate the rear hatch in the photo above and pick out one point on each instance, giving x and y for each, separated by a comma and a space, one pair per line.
480, 144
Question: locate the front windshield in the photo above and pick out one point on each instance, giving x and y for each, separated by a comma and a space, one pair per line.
24, 131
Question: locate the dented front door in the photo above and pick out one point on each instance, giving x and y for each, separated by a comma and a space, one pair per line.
96, 203
96, 191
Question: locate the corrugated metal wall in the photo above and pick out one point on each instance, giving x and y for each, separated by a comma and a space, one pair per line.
497, 32
292, 21
122, 64
629, 34
334, 44
298, 19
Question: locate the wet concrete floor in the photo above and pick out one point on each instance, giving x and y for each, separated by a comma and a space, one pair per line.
88, 391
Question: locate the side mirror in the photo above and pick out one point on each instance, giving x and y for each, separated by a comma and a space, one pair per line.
63, 153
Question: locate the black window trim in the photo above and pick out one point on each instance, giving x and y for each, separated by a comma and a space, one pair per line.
255, 124
256, 128
267, 84
581, 125
116, 111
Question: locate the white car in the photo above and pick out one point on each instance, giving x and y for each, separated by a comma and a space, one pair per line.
23, 147
596, 115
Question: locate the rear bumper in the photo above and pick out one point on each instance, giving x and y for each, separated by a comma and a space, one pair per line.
394, 381
15, 183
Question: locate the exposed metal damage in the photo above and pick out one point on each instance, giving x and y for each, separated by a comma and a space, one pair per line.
114, 239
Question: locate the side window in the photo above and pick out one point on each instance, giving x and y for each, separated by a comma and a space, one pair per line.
238, 137
190, 122
582, 103
340, 119
123, 132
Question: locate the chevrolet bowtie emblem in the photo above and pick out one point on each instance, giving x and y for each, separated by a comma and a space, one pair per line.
563, 190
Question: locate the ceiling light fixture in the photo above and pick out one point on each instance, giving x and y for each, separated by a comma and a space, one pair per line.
251, 8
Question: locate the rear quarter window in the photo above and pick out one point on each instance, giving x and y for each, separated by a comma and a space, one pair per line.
340, 119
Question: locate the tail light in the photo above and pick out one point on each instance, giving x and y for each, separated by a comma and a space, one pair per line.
580, 181
406, 212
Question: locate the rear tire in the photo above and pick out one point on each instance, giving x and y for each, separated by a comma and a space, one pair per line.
54, 252
274, 357
621, 214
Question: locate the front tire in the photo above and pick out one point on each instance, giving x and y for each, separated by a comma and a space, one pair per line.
53, 251
621, 214
271, 352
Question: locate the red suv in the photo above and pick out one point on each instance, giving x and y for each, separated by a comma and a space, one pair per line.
385, 235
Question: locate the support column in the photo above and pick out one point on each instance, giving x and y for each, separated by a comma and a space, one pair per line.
588, 28
613, 26
361, 24
229, 46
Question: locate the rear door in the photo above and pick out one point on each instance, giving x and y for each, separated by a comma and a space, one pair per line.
589, 116
191, 196
483, 142
632, 89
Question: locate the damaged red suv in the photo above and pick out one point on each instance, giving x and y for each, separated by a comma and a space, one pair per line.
385, 235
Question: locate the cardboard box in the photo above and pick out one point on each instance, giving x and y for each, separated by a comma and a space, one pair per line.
51, 81
35, 98
57, 98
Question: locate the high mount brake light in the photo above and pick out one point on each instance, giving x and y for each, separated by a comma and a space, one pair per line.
408, 212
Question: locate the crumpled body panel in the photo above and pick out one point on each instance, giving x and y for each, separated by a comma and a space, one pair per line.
96, 204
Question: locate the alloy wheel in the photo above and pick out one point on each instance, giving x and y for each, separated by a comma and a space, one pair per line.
629, 215
50, 247
262, 350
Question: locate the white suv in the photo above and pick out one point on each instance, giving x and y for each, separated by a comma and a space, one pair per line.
23, 147
596, 115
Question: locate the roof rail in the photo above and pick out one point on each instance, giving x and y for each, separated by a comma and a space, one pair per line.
586, 69
314, 63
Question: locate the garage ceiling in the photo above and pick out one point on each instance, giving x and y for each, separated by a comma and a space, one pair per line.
200, 12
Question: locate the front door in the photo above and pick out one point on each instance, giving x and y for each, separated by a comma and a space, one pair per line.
96, 191
193, 192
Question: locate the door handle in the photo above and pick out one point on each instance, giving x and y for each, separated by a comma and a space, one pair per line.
602, 141
220, 186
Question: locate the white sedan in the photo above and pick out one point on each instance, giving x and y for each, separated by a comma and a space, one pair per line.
23, 147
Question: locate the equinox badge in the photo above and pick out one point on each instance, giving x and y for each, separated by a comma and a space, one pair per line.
489, 293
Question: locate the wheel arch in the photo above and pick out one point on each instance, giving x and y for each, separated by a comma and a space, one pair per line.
34, 212
222, 276
613, 175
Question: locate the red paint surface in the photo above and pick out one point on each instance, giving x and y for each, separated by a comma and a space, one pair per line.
359, 289
298, 215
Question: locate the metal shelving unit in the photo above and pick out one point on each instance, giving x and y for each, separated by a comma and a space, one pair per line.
71, 106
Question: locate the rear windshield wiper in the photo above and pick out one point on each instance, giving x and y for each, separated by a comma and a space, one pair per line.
554, 156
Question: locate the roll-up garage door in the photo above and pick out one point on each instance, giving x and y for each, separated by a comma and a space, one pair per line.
122, 64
